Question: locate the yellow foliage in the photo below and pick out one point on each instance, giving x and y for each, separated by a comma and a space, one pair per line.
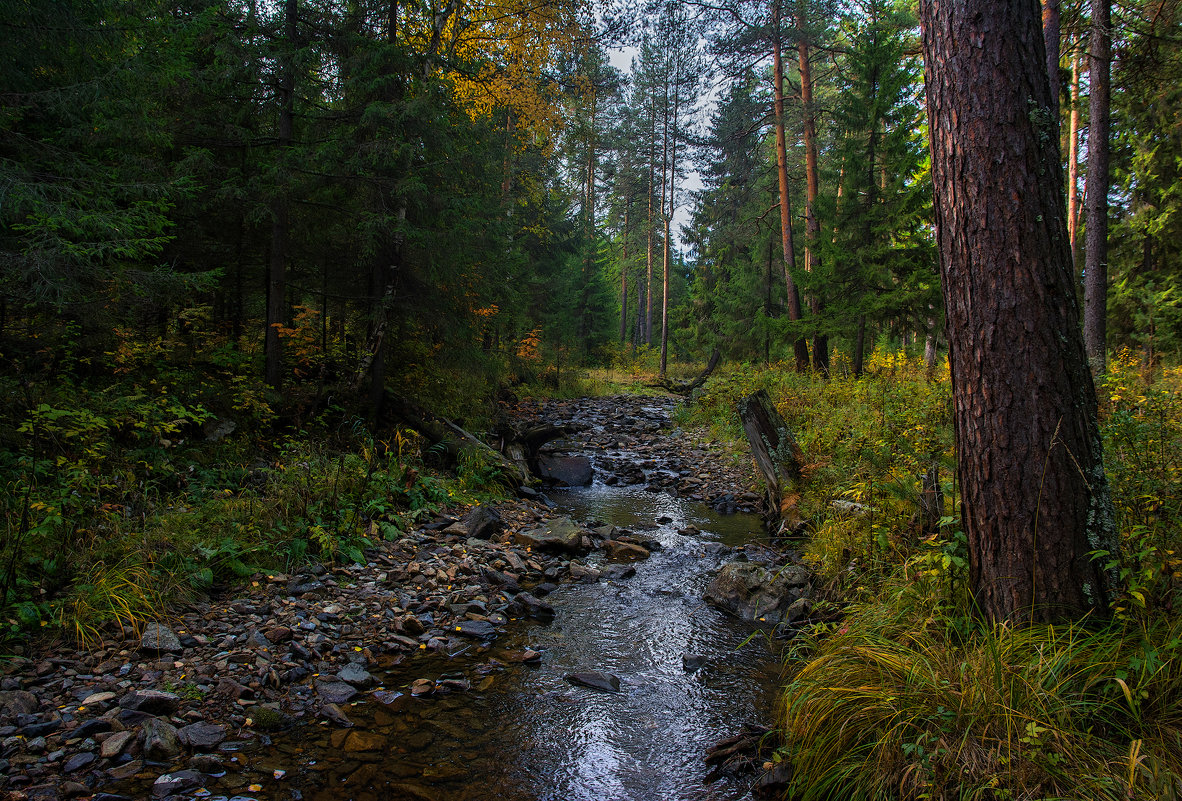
510, 49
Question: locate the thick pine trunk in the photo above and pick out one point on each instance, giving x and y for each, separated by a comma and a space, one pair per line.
1036, 503
1096, 226
800, 347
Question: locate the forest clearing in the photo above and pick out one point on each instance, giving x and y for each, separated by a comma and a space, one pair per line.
586, 400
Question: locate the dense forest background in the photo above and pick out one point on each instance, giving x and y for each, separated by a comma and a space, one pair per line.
438, 198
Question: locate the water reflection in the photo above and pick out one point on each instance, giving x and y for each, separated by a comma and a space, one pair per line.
524, 733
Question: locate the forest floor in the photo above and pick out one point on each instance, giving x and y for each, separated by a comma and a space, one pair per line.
167, 707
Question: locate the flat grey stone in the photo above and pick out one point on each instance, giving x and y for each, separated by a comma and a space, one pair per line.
158, 639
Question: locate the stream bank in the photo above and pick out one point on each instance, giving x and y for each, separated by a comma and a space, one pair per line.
439, 668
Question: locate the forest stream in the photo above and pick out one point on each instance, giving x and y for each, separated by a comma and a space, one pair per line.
430, 673
689, 677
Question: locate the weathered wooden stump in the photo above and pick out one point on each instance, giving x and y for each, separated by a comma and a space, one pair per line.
778, 457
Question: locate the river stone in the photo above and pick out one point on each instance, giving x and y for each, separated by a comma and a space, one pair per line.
357, 676
358, 740
152, 702
304, 585
41, 728
617, 572
202, 736
391, 700
159, 640
774, 783
79, 762
71, 789
207, 763
17, 702
530, 606
126, 770
91, 728
98, 698
595, 680
800, 608
692, 662
559, 534
334, 714
570, 471
420, 687
160, 740
181, 780
617, 549
114, 745
483, 522
580, 572
476, 629
332, 691
755, 592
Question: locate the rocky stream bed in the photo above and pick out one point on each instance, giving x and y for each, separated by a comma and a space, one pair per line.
555, 646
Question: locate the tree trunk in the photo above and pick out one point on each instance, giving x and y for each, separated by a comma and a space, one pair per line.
665, 303
277, 265
1050, 38
586, 323
1096, 226
1073, 163
859, 356
652, 168
665, 224
624, 279
812, 226
930, 351
800, 347
1036, 503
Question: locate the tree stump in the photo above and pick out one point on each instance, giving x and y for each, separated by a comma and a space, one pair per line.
778, 457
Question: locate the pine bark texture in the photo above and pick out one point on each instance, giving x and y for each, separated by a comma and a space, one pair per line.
1036, 502
1096, 193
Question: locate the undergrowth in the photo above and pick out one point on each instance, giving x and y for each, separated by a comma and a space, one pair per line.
139, 479
905, 694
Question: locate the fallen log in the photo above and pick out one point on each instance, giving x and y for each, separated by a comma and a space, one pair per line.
686, 387
454, 439
522, 447
778, 457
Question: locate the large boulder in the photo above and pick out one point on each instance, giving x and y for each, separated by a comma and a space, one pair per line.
483, 522
565, 471
761, 593
559, 534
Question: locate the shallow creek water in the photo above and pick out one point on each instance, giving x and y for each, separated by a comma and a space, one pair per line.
523, 732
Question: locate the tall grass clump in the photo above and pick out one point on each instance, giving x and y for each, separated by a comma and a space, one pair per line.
905, 701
